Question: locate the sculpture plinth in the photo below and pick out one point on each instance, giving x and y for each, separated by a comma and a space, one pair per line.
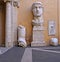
38, 25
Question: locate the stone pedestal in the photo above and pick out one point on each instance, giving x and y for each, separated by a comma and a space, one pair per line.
38, 38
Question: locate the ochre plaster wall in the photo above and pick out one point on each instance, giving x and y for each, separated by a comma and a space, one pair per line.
51, 12
59, 18
25, 16
2, 24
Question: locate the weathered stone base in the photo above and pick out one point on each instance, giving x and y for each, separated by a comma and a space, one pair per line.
38, 38
9, 44
38, 43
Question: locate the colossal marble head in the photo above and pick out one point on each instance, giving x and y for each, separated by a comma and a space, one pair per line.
37, 9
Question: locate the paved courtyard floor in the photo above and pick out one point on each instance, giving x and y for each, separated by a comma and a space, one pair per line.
30, 54
3, 50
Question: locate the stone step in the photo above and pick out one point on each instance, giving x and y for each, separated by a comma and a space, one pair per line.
38, 44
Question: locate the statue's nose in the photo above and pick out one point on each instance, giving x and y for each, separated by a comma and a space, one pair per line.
37, 10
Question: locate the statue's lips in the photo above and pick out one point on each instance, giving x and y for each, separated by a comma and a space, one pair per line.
37, 12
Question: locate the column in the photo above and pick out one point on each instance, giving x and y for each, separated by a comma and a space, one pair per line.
15, 5
11, 22
8, 38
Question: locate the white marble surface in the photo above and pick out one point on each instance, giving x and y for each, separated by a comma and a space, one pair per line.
8, 24
11, 22
38, 25
22, 36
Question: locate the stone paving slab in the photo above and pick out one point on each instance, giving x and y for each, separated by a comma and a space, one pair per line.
42, 56
12, 55
30, 54
3, 50
53, 49
47, 47
27, 57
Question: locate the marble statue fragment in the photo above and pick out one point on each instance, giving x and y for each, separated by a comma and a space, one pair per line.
21, 36
38, 24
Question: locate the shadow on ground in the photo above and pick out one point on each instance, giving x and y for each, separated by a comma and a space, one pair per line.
12, 55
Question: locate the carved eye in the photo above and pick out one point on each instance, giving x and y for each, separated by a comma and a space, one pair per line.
36, 7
